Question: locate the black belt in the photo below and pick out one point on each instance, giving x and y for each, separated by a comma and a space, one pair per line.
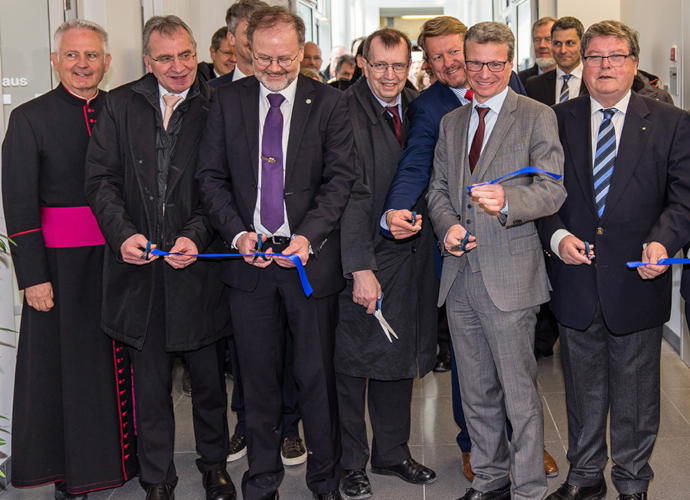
277, 240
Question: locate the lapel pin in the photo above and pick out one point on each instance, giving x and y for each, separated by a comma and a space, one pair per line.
644, 128
308, 101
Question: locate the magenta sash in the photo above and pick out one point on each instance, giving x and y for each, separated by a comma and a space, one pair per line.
65, 227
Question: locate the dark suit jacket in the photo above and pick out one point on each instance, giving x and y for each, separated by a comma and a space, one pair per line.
319, 173
649, 200
542, 88
414, 170
214, 83
527, 73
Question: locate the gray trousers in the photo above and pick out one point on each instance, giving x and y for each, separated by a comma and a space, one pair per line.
497, 371
605, 372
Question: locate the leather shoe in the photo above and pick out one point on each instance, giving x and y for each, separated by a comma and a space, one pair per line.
409, 470
356, 485
569, 491
635, 496
466, 467
333, 495
442, 361
550, 465
61, 492
161, 492
218, 485
499, 494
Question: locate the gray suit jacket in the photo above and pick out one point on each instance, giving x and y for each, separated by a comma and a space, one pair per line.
509, 253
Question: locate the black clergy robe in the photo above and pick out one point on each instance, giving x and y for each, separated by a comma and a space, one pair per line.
72, 418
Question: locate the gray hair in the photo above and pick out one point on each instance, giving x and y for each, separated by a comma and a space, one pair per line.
167, 26
613, 28
491, 32
242, 11
542, 22
74, 24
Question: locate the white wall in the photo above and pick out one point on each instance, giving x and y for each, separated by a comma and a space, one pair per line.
590, 11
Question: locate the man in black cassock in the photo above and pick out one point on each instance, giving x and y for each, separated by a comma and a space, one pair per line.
72, 421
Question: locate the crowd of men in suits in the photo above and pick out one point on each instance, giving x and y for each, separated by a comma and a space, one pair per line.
374, 193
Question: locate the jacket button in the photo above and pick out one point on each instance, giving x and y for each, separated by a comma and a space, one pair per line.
459, 218
600, 230
141, 161
151, 198
254, 187
469, 206
414, 249
468, 221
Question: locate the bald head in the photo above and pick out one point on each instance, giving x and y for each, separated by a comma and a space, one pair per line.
312, 56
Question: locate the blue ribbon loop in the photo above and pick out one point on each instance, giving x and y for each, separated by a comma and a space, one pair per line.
661, 262
294, 258
522, 171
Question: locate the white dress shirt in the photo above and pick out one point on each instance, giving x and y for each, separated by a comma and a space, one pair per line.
573, 84
238, 74
161, 102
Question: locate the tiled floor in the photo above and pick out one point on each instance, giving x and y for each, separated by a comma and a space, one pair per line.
433, 442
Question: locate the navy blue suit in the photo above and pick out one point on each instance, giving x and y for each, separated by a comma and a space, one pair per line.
221, 80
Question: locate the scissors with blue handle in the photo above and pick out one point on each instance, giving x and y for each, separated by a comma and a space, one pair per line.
259, 245
382, 321
587, 250
463, 244
414, 218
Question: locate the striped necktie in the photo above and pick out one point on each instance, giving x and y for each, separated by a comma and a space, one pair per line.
604, 159
565, 91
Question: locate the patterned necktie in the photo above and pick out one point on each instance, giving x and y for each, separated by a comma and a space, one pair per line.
604, 159
393, 110
170, 101
478, 139
272, 214
565, 91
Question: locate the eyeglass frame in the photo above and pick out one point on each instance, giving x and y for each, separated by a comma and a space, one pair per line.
179, 57
373, 68
502, 63
592, 64
277, 60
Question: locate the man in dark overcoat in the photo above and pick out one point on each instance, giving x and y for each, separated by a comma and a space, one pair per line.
402, 270
140, 184
67, 408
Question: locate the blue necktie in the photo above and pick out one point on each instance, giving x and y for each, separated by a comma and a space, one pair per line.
272, 214
565, 91
604, 159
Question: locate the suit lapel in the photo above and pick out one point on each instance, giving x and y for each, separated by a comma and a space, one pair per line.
636, 130
578, 137
504, 121
448, 98
549, 88
250, 116
301, 109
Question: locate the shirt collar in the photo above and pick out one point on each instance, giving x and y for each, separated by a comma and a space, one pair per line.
237, 74
397, 102
621, 106
495, 103
461, 93
288, 92
162, 92
576, 72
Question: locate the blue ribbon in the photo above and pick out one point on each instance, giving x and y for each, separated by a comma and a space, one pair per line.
522, 171
661, 262
294, 258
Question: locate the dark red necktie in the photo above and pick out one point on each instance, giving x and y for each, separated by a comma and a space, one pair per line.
396, 122
478, 140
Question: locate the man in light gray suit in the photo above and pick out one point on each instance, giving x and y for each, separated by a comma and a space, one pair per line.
493, 285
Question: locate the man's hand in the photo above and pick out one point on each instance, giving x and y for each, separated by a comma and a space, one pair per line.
366, 290
40, 296
182, 245
652, 253
572, 251
491, 197
247, 244
400, 224
133, 250
455, 236
298, 246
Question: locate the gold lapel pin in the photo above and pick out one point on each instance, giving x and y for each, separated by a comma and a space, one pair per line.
308, 101
644, 128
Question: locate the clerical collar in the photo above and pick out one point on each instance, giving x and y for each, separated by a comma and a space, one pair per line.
80, 97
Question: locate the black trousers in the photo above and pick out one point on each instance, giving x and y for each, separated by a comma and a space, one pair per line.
389, 412
259, 319
605, 372
155, 420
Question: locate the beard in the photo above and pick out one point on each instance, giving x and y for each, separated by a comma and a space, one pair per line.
277, 85
545, 62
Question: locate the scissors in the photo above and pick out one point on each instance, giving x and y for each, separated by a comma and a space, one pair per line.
259, 245
382, 321
463, 244
414, 218
587, 250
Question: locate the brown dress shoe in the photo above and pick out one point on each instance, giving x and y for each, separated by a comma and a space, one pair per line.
466, 467
550, 465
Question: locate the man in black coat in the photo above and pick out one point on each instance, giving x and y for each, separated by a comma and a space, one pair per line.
66, 424
140, 185
627, 173
374, 266
276, 160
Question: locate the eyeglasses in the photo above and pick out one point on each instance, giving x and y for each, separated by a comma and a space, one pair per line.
380, 67
265, 62
477, 66
184, 57
615, 60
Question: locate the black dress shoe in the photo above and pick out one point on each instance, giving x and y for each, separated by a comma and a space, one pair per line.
442, 361
218, 485
499, 494
356, 485
333, 495
61, 492
569, 491
635, 496
161, 492
409, 470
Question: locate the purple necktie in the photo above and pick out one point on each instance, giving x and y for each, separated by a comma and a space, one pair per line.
272, 215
